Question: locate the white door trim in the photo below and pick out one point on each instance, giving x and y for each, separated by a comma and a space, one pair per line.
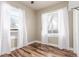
75, 31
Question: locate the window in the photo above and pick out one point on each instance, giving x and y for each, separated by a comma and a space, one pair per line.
53, 23
14, 18
13, 21
50, 23
52, 20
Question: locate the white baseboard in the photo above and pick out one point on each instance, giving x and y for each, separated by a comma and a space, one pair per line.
47, 43
55, 45
2, 53
71, 49
30, 43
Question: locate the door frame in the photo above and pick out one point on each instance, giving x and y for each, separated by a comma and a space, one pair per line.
75, 31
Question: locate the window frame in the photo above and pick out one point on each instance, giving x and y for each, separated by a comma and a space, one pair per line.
54, 34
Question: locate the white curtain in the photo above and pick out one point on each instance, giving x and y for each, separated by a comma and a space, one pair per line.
5, 30
63, 41
44, 28
22, 29
25, 41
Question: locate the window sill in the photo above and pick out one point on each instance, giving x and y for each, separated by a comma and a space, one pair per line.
52, 35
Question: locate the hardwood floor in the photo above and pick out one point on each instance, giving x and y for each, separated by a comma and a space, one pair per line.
40, 50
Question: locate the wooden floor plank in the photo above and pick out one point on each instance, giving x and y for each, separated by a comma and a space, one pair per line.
23, 53
38, 50
13, 55
55, 53
16, 53
32, 52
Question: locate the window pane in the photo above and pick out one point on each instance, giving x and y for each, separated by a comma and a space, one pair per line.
13, 21
14, 18
53, 23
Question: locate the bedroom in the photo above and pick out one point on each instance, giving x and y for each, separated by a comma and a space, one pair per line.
39, 27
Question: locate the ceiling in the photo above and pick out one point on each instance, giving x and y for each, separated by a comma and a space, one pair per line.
39, 4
